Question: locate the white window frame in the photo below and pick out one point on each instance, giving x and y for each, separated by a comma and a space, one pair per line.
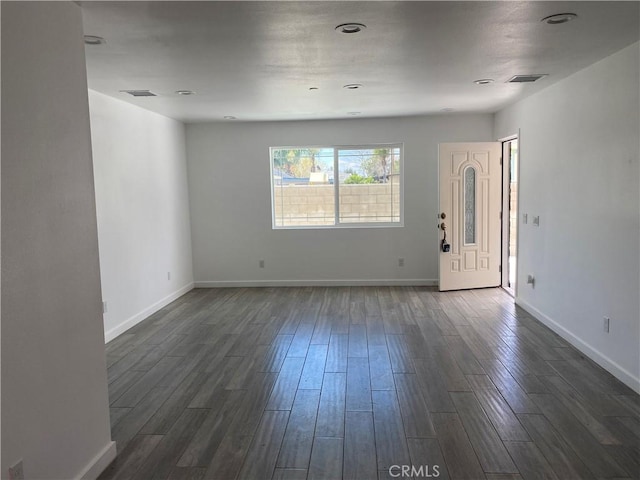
336, 190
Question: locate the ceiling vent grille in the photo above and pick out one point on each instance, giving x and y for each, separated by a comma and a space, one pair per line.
139, 93
525, 78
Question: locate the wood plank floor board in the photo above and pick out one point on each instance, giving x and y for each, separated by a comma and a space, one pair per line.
337, 353
391, 443
211, 432
187, 473
359, 447
123, 383
116, 414
326, 459
289, 474
433, 386
253, 405
300, 430
578, 437
147, 381
460, 458
361, 382
130, 425
313, 369
557, 451
627, 457
284, 390
414, 408
262, 455
213, 388
380, 368
166, 454
581, 409
331, 410
274, 356
322, 331
399, 354
516, 397
463, 355
357, 341
229, 458
164, 418
426, 453
358, 385
502, 417
301, 340
455, 380
530, 461
131, 457
491, 452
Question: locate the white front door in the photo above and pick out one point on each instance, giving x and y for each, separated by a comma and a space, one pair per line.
470, 205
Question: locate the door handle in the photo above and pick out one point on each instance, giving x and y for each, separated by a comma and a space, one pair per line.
442, 226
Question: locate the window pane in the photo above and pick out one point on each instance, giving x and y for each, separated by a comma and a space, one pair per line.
470, 205
367, 181
369, 185
303, 192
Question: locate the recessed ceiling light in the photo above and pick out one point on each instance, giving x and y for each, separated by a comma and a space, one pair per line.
352, 86
447, 110
185, 92
354, 113
229, 117
350, 27
559, 18
313, 88
483, 81
94, 40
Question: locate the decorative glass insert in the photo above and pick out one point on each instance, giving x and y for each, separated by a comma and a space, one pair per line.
470, 205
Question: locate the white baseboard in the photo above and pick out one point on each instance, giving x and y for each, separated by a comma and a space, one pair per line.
99, 463
138, 317
418, 282
605, 362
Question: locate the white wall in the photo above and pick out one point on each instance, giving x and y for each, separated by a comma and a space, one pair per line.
579, 172
229, 185
142, 205
55, 412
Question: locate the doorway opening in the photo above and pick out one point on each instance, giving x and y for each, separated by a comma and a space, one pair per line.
510, 213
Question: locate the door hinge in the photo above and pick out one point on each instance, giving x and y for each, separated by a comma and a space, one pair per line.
500, 160
500, 268
500, 215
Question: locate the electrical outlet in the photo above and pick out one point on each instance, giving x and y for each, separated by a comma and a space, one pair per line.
605, 324
261, 263
531, 280
16, 472
525, 218
168, 275
104, 307
536, 221
401, 262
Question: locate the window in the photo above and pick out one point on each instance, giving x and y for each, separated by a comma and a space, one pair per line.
351, 186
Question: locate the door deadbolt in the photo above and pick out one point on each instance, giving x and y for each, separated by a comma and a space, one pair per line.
443, 215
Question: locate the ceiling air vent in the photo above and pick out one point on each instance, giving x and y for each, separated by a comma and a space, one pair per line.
139, 93
525, 78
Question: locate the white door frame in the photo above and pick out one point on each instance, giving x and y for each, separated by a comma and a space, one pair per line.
505, 214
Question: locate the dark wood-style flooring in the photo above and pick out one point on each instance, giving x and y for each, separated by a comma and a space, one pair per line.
357, 382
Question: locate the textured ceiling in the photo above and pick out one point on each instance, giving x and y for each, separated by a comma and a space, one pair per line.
257, 60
